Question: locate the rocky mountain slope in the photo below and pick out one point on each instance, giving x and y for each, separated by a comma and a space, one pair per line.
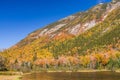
75, 24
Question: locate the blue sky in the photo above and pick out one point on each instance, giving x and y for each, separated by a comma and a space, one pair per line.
18, 18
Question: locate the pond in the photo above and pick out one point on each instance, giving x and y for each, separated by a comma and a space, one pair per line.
72, 76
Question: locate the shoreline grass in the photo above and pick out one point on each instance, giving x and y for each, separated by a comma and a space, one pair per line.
84, 70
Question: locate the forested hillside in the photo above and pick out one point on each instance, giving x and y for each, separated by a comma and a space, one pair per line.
85, 40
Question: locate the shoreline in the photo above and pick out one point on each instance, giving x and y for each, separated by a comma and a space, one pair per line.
11, 75
84, 70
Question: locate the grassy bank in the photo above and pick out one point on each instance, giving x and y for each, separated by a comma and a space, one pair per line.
10, 75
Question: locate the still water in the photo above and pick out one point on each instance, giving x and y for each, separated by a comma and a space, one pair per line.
73, 76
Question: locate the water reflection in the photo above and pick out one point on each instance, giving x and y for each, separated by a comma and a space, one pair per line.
73, 76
